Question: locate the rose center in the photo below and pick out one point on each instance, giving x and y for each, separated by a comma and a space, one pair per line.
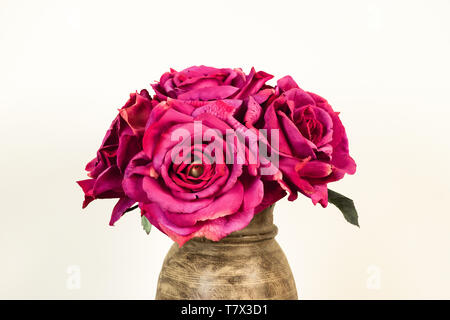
309, 126
196, 171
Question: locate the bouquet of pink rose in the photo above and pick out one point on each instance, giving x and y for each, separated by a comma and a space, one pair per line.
213, 147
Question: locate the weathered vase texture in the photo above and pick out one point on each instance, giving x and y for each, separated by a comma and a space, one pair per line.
248, 264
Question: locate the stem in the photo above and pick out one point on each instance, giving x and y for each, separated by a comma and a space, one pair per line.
131, 208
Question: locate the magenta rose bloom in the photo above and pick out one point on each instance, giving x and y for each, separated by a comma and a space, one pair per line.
203, 83
197, 192
122, 142
313, 144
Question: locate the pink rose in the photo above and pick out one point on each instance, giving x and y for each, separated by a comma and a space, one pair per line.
196, 193
313, 144
122, 142
206, 83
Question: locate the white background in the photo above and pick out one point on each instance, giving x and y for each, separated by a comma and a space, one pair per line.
66, 66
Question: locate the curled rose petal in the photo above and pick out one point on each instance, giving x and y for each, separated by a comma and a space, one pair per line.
254, 82
120, 208
253, 112
137, 110
316, 169
87, 186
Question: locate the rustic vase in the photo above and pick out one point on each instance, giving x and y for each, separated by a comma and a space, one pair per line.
247, 264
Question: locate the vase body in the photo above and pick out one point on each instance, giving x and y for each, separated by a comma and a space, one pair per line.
248, 264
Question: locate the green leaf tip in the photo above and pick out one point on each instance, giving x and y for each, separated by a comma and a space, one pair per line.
146, 225
345, 205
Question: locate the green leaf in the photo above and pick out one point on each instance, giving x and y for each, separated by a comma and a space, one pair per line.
346, 206
146, 224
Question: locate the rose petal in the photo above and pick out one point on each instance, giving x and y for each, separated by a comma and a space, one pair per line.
324, 118
132, 184
136, 111
272, 193
320, 195
315, 169
129, 146
87, 186
108, 183
254, 82
300, 146
158, 193
272, 123
300, 97
119, 209
157, 217
218, 109
253, 112
254, 192
290, 168
286, 83
209, 93
226, 204
153, 132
